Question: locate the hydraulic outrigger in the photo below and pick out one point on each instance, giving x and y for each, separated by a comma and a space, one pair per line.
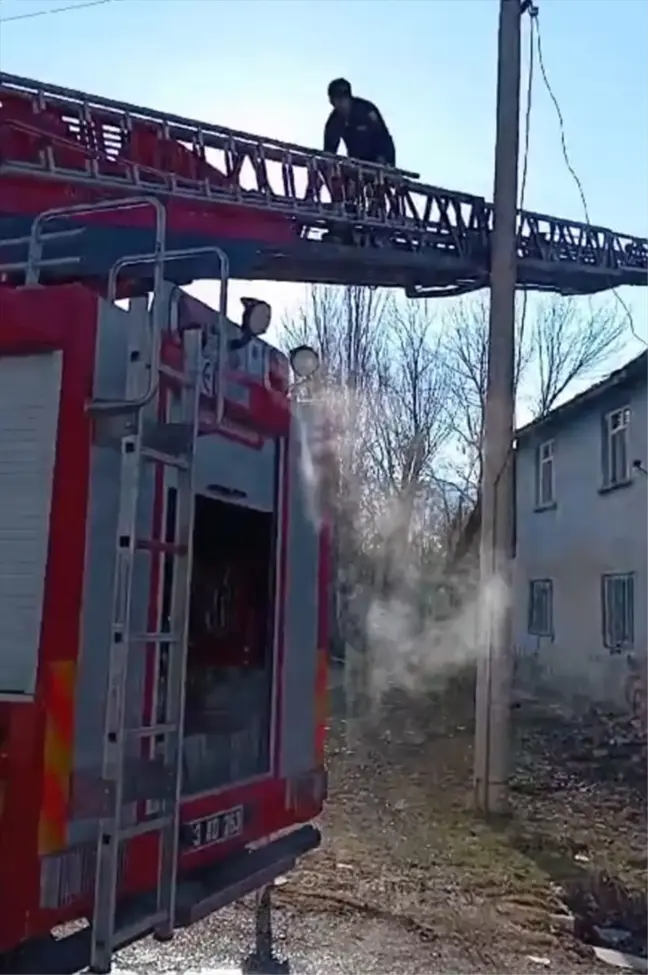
278, 207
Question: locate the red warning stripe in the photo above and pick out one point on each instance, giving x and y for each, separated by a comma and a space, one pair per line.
58, 755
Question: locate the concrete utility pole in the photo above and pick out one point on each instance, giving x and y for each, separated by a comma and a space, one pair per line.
492, 718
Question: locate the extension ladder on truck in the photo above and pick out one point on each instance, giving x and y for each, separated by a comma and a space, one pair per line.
171, 443
65, 135
428, 239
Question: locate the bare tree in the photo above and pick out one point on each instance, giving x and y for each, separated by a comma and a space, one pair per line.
465, 328
566, 347
411, 427
557, 346
345, 326
404, 385
386, 387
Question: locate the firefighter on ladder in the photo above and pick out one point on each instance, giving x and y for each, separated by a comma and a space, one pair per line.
360, 126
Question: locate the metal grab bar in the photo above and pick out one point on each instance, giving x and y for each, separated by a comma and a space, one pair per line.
159, 259
222, 321
35, 248
7, 242
55, 235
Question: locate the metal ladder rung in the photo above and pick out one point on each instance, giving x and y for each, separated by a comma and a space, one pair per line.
45, 238
46, 262
174, 375
165, 638
170, 460
172, 437
146, 826
151, 731
159, 547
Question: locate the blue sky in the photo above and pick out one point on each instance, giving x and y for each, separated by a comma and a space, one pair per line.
263, 66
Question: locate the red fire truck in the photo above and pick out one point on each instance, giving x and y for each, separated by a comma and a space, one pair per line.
162, 573
162, 580
162, 566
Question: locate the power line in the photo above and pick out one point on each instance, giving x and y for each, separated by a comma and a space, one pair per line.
570, 167
525, 152
56, 10
628, 314
527, 113
561, 123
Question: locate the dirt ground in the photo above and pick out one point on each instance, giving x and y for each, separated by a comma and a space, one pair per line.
409, 880
402, 846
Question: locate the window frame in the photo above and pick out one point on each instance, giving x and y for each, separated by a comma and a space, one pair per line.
532, 627
541, 462
607, 580
608, 454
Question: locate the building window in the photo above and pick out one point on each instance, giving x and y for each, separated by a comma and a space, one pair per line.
541, 607
617, 605
616, 468
545, 475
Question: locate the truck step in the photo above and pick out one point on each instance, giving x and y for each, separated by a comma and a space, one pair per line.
199, 893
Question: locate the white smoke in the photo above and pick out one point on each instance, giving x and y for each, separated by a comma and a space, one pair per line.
412, 652
411, 624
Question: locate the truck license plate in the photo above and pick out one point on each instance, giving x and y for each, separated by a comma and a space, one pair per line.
218, 828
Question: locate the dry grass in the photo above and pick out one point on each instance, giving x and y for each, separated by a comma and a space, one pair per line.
400, 839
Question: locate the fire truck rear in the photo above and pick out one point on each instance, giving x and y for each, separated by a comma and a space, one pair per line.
162, 584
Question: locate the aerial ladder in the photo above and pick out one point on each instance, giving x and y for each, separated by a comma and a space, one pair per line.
283, 212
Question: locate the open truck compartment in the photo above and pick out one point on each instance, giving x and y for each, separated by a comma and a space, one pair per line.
230, 659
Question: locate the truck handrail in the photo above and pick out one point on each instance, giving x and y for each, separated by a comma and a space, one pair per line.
35, 247
139, 402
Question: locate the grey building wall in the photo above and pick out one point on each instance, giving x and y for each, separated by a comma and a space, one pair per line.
587, 533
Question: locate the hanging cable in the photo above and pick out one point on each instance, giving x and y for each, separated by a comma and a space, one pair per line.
527, 144
55, 10
527, 111
568, 162
561, 122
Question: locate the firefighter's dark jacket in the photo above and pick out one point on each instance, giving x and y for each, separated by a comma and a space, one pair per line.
363, 132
